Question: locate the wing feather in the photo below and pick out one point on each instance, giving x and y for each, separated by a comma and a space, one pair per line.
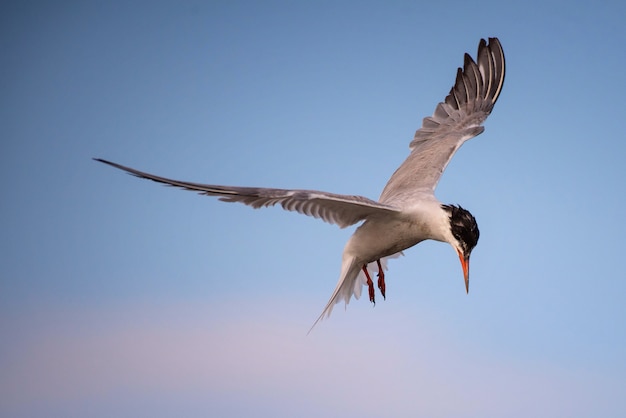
342, 210
455, 120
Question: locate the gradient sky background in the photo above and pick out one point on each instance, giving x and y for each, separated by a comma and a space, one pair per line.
119, 297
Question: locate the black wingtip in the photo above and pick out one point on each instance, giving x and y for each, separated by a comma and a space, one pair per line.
112, 164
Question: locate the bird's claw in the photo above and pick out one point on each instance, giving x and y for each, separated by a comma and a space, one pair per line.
370, 285
381, 279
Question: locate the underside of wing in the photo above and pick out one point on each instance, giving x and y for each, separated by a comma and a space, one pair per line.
342, 210
455, 120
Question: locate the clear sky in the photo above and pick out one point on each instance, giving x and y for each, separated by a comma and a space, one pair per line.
120, 297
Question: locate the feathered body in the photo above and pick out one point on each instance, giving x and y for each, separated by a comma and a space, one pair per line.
408, 211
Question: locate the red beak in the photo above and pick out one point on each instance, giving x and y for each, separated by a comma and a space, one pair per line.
465, 265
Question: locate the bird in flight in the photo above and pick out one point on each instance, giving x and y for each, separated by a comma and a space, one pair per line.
407, 211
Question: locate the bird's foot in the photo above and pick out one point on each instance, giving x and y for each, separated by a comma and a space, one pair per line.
381, 279
370, 285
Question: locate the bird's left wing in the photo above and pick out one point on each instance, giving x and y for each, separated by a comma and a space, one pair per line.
342, 210
455, 120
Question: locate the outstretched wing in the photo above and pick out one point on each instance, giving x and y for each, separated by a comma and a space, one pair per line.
455, 120
333, 208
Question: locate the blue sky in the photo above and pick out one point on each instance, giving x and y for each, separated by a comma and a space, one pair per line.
119, 297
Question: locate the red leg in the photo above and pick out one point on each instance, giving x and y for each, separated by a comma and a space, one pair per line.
370, 284
381, 279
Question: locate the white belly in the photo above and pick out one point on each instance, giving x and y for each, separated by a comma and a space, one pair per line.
375, 240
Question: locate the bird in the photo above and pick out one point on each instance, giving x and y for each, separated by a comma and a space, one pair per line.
407, 211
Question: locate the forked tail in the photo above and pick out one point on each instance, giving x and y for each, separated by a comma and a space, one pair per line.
351, 282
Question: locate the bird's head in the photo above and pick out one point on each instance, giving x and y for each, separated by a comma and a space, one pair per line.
465, 235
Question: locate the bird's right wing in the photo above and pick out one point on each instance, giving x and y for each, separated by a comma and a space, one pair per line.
455, 120
342, 210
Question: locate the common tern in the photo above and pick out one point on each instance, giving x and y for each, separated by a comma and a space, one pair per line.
407, 211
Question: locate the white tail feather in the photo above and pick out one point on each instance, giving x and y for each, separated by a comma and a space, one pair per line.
351, 282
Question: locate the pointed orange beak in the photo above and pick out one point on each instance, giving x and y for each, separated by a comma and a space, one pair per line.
465, 265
